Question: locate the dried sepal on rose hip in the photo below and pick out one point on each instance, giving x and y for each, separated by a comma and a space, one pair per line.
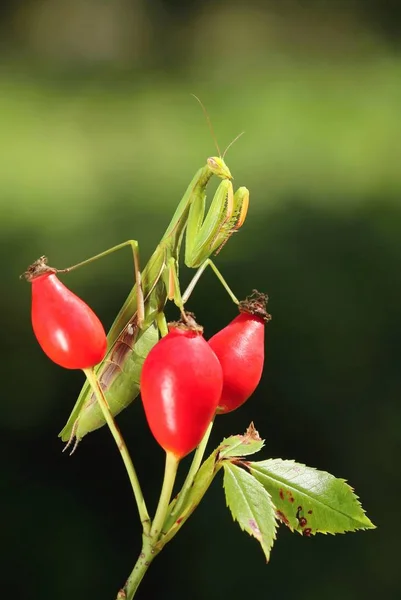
240, 348
66, 328
181, 384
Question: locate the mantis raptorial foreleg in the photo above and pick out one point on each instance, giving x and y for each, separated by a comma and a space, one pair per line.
213, 233
207, 235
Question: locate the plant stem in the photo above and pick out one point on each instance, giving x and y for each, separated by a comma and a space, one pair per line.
121, 445
137, 574
196, 463
149, 551
170, 473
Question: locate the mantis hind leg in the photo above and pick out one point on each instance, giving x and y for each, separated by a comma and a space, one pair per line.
134, 245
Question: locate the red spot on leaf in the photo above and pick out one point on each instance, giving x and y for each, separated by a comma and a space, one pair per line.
302, 522
255, 528
310, 512
307, 532
286, 495
280, 515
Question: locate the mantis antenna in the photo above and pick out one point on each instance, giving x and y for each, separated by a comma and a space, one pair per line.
209, 122
231, 143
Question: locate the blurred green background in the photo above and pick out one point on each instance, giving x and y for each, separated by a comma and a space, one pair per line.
99, 139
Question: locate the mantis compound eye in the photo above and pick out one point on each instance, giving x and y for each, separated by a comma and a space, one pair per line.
219, 167
212, 163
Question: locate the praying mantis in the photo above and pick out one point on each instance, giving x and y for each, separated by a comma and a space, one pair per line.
136, 328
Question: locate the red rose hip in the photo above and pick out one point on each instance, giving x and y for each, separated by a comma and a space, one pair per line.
66, 328
181, 384
240, 348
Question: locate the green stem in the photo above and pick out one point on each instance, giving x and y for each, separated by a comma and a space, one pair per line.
170, 473
121, 445
196, 463
138, 572
149, 551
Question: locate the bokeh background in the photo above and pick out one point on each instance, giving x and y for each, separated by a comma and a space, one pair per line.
99, 138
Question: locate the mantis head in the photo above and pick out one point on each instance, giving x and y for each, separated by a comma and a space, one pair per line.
218, 167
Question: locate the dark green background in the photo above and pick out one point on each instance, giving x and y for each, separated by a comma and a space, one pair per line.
99, 139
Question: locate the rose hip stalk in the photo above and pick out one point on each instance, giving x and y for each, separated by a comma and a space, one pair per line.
240, 349
67, 330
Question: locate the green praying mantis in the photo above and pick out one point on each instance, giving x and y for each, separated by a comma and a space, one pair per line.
136, 328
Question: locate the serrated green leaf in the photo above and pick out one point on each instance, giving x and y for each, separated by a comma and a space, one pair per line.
310, 501
234, 446
241, 445
251, 505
